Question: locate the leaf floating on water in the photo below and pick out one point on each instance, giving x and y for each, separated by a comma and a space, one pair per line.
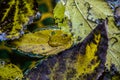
84, 61
44, 42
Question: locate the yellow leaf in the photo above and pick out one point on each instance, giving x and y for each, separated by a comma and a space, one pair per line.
45, 42
11, 72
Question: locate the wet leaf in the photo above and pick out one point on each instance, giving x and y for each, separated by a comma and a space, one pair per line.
84, 61
76, 18
44, 42
14, 15
10, 72
85, 15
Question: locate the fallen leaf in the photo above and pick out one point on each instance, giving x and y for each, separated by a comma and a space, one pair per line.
85, 15
84, 61
10, 71
43, 42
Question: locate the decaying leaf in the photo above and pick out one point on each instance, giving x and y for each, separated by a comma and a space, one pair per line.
110, 74
86, 14
115, 6
10, 72
14, 15
85, 61
44, 42
75, 18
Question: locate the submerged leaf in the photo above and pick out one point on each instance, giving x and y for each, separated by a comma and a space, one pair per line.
84, 61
